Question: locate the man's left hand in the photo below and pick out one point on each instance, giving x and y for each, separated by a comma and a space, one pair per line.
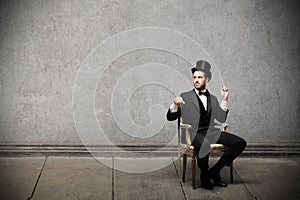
224, 93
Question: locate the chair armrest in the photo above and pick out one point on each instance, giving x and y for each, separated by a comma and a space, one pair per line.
224, 127
186, 126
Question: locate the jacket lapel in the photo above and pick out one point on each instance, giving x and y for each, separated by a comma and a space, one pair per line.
194, 99
208, 103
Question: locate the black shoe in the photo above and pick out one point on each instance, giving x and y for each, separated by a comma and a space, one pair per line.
219, 183
217, 180
205, 182
207, 186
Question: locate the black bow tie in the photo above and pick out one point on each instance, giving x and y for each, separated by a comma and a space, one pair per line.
206, 93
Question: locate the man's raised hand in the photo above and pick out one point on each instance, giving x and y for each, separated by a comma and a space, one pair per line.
224, 93
178, 101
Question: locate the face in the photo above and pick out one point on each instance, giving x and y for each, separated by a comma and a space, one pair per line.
200, 80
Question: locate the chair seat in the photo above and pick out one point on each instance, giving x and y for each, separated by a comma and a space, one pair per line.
214, 147
185, 147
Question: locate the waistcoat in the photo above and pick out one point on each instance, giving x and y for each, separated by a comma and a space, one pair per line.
204, 116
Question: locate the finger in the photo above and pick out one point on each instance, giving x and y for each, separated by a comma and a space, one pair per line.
224, 88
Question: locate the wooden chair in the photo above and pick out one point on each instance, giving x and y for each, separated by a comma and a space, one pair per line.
188, 149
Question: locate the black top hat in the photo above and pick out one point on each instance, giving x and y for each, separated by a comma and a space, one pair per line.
202, 65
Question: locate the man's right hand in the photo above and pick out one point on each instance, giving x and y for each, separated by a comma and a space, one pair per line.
178, 101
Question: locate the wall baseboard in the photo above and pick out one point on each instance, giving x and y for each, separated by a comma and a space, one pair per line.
128, 150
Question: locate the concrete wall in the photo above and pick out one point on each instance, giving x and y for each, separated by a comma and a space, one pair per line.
46, 45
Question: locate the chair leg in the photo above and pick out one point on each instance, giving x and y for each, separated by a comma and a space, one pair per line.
184, 167
193, 172
179, 165
231, 172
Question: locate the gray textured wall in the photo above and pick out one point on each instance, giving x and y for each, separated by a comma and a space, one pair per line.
253, 44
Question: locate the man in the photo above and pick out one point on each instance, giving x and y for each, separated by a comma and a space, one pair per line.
201, 110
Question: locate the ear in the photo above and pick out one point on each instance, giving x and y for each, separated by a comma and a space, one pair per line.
206, 79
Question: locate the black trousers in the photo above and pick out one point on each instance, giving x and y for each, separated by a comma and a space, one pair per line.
202, 143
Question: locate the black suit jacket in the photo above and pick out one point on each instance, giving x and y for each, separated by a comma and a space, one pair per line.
191, 112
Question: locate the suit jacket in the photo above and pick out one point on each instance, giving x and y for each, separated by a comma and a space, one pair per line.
191, 112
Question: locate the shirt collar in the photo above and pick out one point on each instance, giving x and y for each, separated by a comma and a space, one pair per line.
197, 91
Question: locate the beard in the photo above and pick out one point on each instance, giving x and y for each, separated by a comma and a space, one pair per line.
201, 87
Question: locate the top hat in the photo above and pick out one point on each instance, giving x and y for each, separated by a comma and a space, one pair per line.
202, 65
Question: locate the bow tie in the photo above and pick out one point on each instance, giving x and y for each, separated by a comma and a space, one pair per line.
206, 93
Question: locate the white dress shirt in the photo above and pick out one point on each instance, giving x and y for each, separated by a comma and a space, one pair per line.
203, 98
